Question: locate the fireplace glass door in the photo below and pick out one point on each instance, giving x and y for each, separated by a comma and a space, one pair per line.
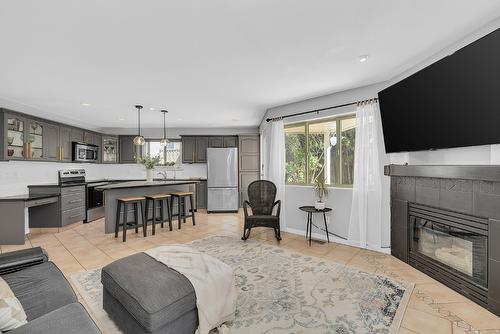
457, 249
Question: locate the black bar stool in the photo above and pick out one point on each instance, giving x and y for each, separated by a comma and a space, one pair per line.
157, 199
181, 204
125, 202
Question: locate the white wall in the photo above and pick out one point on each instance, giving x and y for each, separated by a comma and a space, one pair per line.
341, 198
15, 176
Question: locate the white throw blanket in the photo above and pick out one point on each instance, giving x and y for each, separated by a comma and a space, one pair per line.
213, 283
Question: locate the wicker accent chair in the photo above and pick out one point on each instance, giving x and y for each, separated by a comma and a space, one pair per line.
262, 195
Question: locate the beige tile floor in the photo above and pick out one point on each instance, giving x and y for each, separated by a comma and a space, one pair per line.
433, 308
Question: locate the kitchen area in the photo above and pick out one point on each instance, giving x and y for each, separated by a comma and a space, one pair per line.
53, 175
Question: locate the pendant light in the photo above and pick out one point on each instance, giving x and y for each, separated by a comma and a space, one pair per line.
139, 140
164, 141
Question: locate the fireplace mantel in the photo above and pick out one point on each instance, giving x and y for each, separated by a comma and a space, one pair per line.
465, 172
461, 190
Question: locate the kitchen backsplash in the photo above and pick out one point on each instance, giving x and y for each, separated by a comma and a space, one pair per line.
15, 176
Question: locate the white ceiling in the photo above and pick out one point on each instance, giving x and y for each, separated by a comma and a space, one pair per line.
212, 63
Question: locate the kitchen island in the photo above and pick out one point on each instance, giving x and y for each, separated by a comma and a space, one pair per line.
136, 188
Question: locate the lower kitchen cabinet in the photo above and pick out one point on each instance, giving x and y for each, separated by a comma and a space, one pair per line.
201, 195
71, 207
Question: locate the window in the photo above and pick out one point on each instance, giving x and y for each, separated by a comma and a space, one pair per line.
313, 150
170, 155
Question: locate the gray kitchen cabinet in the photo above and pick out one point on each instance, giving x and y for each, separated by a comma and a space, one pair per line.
245, 179
109, 149
201, 149
194, 149
216, 141
51, 146
201, 195
230, 141
188, 149
14, 137
249, 163
77, 135
129, 153
70, 208
65, 144
35, 131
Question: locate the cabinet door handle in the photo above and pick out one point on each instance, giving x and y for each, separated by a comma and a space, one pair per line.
193, 156
75, 201
74, 216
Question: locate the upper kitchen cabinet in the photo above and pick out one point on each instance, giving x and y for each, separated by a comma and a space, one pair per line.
14, 137
194, 149
35, 140
216, 141
65, 144
129, 153
51, 147
109, 149
249, 153
201, 149
77, 135
230, 141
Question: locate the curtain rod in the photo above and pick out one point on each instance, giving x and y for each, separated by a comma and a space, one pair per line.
322, 109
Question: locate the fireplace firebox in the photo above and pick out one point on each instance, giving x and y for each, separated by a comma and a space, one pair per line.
451, 247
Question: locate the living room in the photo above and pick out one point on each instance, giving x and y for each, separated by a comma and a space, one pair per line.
249, 167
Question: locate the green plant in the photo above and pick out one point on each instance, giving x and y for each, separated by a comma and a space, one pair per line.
150, 161
320, 188
10, 140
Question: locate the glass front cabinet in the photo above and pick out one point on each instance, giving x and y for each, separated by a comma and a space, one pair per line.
24, 138
109, 149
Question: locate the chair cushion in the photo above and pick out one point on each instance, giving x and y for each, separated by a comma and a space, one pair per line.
69, 319
151, 292
40, 289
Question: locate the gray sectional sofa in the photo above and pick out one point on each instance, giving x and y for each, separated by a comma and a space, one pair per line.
49, 302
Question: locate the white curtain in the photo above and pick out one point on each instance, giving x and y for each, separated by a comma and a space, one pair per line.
369, 225
273, 144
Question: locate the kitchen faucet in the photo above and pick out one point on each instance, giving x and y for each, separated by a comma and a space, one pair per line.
164, 175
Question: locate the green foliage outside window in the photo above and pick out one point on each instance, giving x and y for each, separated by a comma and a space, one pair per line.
313, 151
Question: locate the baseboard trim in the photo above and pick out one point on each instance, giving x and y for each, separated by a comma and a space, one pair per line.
322, 236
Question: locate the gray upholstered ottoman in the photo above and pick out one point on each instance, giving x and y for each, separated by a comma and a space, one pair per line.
142, 295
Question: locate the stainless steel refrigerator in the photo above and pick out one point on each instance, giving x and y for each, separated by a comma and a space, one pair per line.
222, 180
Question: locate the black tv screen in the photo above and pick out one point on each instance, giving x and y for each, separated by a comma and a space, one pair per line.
454, 102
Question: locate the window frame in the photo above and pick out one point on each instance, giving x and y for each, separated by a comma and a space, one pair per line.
148, 140
338, 131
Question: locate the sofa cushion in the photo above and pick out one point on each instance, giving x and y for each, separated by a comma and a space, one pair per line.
69, 319
40, 289
152, 293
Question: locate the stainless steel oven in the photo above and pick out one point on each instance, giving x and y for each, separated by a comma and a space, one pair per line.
85, 152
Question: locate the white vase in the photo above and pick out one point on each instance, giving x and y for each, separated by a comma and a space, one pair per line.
319, 205
149, 175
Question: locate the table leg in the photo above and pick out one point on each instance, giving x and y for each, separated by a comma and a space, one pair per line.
310, 228
326, 228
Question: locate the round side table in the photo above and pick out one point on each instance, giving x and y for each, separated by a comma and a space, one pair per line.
310, 211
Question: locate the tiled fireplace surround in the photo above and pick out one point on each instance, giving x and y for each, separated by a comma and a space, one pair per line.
470, 190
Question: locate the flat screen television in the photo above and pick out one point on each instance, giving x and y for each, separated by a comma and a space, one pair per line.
454, 102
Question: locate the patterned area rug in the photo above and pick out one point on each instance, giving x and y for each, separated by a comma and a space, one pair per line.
282, 292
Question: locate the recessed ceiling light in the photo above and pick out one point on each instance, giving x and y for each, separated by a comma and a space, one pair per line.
121, 119
235, 120
152, 108
86, 104
179, 119
363, 58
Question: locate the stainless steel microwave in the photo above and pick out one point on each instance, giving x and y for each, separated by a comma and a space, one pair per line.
85, 152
